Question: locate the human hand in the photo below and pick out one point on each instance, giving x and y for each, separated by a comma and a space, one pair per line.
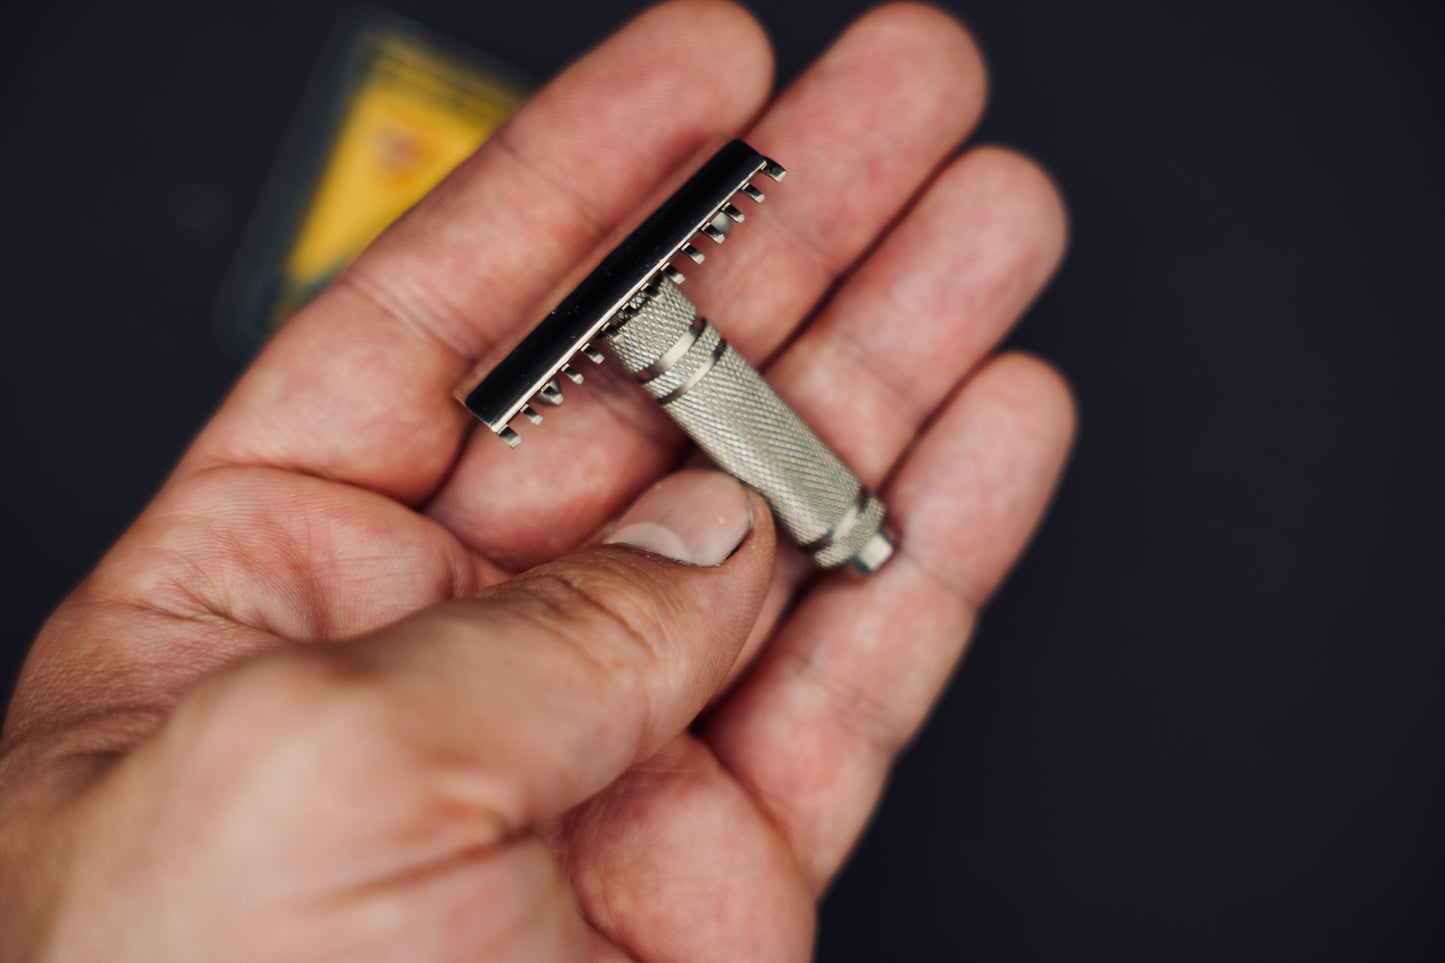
306, 707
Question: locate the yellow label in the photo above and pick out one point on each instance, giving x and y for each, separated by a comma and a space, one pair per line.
409, 121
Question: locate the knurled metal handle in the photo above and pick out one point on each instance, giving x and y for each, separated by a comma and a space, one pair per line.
734, 416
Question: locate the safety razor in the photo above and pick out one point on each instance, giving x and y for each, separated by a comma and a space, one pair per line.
631, 306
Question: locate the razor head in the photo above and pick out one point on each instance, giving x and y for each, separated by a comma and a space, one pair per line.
703, 207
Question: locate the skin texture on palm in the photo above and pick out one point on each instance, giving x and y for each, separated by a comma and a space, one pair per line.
509, 769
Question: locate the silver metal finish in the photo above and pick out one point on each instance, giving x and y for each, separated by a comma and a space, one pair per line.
734, 416
632, 303
498, 396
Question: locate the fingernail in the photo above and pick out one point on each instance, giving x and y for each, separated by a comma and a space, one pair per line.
698, 517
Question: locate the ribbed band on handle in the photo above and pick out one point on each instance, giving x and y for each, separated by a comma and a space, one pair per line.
740, 422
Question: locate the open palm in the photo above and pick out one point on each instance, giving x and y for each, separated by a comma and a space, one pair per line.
188, 775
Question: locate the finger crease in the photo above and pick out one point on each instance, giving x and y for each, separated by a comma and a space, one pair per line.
850, 705
876, 370
968, 595
576, 200
427, 325
834, 264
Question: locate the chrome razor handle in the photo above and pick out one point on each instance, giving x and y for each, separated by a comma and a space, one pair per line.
734, 416
631, 304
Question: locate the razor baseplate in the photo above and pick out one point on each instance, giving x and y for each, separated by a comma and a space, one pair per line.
631, 305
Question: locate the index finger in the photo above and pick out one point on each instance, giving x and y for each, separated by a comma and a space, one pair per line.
358, 386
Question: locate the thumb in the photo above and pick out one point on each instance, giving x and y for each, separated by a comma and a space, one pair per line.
412, 764
546, 688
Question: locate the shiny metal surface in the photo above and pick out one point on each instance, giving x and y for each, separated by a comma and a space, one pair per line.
632, 304
734, 415
694, 209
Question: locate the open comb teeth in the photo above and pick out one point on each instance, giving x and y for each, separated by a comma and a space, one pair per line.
527, 378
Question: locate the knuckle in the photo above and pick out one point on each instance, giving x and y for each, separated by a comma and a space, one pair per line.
618, 613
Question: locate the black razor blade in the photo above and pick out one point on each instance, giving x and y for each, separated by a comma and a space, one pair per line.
703, 205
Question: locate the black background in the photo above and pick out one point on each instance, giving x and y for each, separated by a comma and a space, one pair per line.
1201, 721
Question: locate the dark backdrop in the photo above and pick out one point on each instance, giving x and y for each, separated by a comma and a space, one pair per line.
1201, 721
